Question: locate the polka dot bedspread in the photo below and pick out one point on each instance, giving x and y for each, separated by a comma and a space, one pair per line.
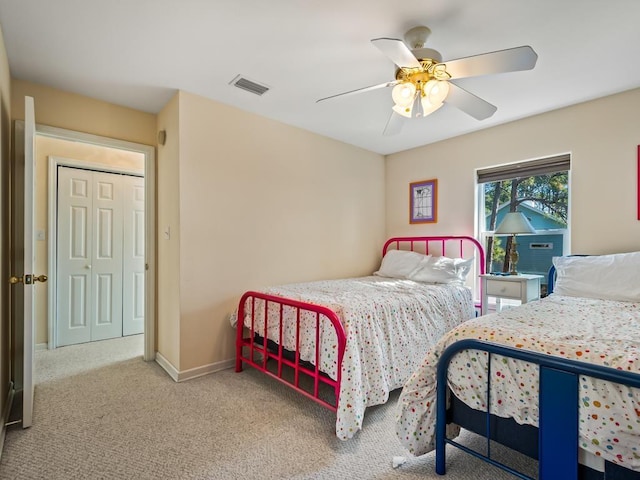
389, 325
603, 332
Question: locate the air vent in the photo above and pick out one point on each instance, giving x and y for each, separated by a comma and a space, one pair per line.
248, 85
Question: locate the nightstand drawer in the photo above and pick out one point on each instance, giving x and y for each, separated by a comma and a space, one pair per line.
504, 289
523, 287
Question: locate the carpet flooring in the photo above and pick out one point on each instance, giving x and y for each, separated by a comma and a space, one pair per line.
101, 412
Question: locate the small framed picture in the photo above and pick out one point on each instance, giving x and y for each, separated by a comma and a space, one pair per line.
423, 201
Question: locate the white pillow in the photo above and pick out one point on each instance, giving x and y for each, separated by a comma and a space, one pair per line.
399, 263
442, 270
608, 277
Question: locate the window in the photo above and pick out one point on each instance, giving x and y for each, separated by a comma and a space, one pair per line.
540, 190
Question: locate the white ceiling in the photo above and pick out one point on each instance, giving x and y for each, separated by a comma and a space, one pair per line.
137, 53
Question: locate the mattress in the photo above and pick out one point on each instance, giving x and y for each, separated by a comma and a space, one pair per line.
389, 325
603, 332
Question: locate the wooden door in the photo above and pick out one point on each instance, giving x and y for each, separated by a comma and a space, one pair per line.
74, 256
107, 256
22, 260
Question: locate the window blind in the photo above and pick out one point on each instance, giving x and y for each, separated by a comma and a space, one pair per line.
530, 168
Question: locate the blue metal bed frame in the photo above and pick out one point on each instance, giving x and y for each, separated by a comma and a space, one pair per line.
558, 427
558, 407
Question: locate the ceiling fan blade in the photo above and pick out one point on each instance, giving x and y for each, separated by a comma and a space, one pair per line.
394, 124
360, 90
469, 103
510, 60
397, 51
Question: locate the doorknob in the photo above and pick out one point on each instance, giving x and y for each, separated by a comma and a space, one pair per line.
27, 279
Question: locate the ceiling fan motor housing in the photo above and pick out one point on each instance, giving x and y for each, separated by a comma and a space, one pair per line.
417, 36
429, 69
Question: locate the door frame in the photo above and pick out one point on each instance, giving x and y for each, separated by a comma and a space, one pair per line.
150, 222
52, 241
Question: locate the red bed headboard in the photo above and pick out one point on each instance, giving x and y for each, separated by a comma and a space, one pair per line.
448, 245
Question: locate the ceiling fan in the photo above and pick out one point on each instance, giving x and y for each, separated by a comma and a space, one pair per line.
424, 82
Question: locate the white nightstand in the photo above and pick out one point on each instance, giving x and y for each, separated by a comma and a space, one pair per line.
521, 287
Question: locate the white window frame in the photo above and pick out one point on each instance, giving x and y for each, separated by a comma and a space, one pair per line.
479, 217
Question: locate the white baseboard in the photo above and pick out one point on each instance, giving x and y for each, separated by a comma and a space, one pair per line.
42, 346
181, 376
205, 370
5, 415
167, 366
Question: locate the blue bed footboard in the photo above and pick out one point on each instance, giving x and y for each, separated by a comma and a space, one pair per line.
558, 407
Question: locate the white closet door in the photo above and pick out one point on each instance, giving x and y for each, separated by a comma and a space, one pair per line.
90, 242
133, 256
74, 255
107, 256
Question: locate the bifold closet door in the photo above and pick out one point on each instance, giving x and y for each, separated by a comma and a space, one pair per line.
89, 256
133, 256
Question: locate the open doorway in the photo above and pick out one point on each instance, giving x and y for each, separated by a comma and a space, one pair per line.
59, 147
98, 247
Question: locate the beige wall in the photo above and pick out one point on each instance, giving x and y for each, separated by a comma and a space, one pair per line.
262, 203
5, 161
83, 114
47, 147
602, 137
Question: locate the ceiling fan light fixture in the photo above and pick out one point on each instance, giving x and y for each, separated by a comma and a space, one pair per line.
418, 111
404, 111
427, 107
403, 94
436, 91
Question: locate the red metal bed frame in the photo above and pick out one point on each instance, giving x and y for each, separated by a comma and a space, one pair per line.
258, 352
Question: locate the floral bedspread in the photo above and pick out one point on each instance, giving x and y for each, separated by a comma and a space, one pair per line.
603, 332
389, 325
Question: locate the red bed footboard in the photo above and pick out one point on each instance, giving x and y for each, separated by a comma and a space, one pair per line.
247, 347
